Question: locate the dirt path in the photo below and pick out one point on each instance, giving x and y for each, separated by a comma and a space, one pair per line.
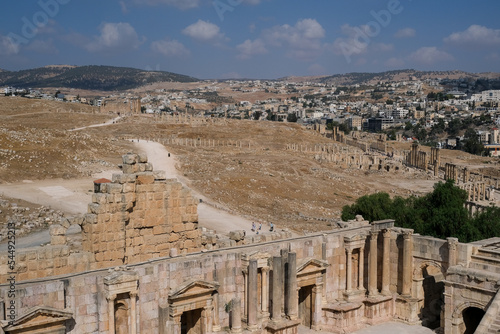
208, 216
73, 196
111, 121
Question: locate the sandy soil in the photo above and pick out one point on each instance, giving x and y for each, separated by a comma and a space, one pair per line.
208, 216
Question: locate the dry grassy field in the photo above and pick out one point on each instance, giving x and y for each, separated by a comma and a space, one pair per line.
260, 180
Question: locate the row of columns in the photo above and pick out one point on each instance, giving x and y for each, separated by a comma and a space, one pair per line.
386, 264
280, 288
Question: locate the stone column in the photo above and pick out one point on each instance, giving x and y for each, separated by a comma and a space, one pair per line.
245, 293
216, 322
349, 270
277, 288
407, 262
111, 314
252, 295
386, 263
361, 268
317, 309
293, 303
133, 313
236, 315
452, 251
265, 291
372, 275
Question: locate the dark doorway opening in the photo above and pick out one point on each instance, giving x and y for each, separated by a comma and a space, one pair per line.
305, 305
472, 317
191, 322
433, 287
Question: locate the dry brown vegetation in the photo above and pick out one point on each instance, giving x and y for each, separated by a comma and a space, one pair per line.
262, 180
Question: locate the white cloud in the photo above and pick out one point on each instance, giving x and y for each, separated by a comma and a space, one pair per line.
251, 48
475, 35
8, 46
42, 46
115, 36
430, 55
405, 33
355, 42
204, 31
394, 63
181, 4
303, 40
383, 47
170, 48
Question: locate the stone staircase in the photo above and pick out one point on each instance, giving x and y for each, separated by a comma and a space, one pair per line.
487, 260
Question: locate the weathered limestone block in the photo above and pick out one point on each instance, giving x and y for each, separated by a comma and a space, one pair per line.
130, 159
114, 188
237, 235
130, 169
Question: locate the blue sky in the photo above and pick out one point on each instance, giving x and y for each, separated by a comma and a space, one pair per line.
253, 38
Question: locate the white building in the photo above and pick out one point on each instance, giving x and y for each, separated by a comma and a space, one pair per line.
487, 96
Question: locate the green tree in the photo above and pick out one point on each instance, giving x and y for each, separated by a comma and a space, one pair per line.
440, 214
292, 118
472, 144
371, 207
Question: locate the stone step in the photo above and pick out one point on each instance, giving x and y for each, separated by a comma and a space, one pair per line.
494, 329
484, 266
489, 253
485, 259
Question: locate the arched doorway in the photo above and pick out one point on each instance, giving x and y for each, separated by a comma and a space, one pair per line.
472, 317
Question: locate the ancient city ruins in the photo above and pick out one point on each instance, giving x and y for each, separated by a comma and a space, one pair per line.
144, 266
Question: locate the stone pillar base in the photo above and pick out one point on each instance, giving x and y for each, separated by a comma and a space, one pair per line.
407, 309
283, 327
378, 309
354, 295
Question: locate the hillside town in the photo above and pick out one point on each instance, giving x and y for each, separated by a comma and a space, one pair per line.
436, 112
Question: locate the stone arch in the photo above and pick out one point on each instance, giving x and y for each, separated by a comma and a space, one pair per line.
457, 312
459, 325
428, 280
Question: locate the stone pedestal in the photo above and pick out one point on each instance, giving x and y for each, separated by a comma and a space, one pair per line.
283, 327
407, 310
378, 309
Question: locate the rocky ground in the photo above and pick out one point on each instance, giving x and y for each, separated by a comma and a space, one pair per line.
258, 179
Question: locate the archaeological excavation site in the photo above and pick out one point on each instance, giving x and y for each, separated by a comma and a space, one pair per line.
141, 259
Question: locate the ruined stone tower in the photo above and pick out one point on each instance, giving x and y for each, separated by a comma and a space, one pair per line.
140, 215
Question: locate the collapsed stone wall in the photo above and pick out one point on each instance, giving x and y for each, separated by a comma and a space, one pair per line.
140, 215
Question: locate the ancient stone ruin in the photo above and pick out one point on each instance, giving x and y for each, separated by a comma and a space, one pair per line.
144, 266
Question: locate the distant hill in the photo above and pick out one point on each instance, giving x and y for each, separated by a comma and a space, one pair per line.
399, 75
104, 78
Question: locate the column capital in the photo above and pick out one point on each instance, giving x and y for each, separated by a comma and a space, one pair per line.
133, 294
348, 250
111, 298
407, 234
452, 243
374, 234
264, 269
387, 233
244, 271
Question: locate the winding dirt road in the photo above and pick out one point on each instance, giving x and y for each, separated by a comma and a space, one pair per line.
73, 196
